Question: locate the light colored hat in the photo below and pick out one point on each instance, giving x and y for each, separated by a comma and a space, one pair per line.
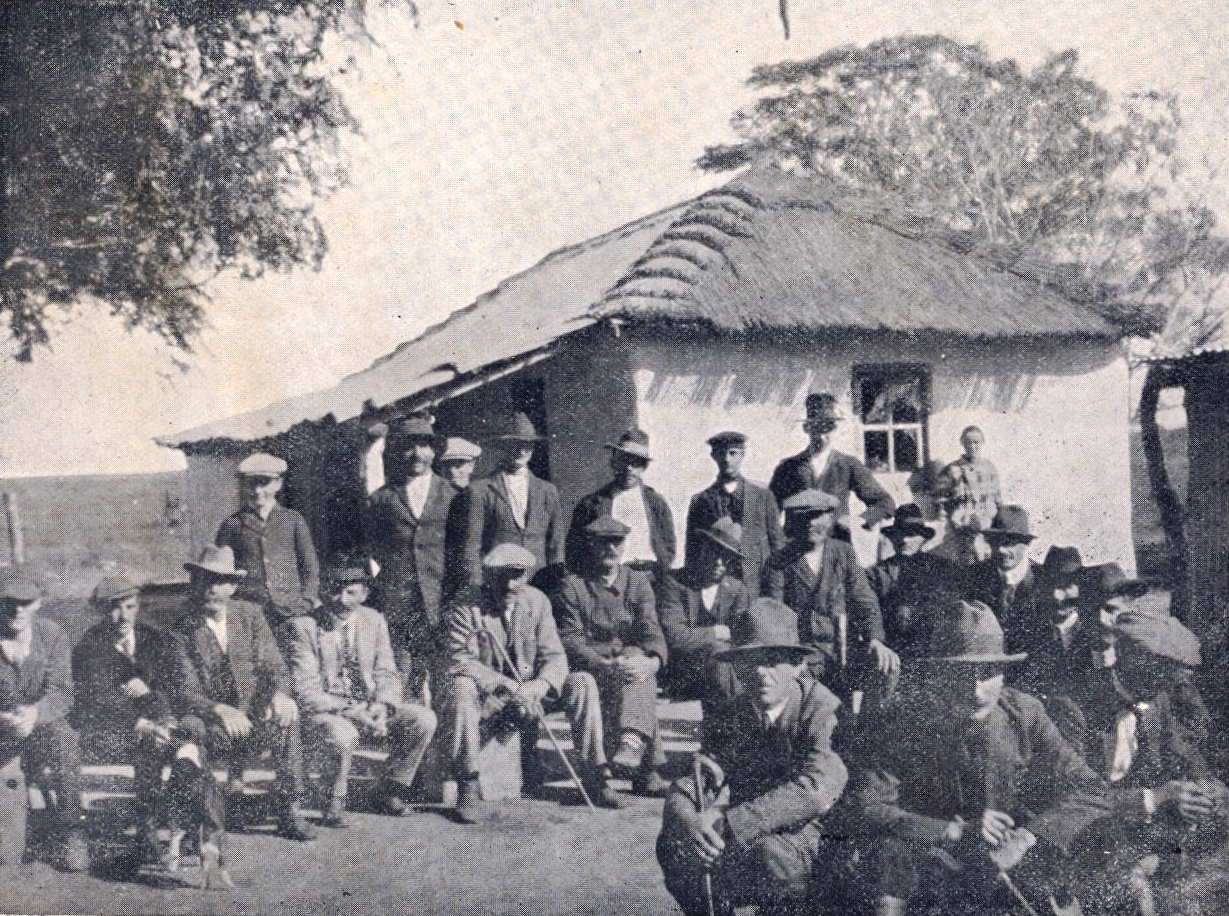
634, 442
606, 527
726, 534
1159, 634
458, 449
811, 501
1010, 526
262, 464
509, 556
768, 629
218, 562
122, 584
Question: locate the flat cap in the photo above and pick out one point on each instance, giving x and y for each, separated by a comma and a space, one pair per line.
1161, 635
18, 588
727, 437
509, 556
262, 464
605, 526
458, 449
121, 584
811, 501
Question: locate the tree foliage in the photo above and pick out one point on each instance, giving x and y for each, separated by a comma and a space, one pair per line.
1045, 171
147, 145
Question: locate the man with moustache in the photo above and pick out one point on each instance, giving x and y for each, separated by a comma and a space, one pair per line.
1008, 582
751, 506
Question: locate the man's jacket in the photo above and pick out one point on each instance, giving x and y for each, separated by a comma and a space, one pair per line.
911, 591
843, 475
1018, 609
280, 559
687, 623
492, 522
527, 635
597, 504
818, 600
597, 622
320, 675
100, 670
44, 679
755, 509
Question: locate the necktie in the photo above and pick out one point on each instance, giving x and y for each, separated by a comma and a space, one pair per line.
356, 686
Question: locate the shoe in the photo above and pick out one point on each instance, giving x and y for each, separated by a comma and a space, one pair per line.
630, 752
293, 827
214, 875
76, 853
391, 803
469, 801
603, 794
335, 814
650, 785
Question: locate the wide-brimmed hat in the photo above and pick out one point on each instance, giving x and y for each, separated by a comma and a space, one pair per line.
1159, 634
517, 427
811, 502
767, 629
607, 528
458, 449
726, 437
823, 411
967, 632
217, 562
18, 588
509, 556
908, 521
725, 534
1100, 583
1010, 526
120, 584
1061, 563
634, 442
262, 465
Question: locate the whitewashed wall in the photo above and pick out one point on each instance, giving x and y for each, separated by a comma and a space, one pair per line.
1055, 416
211, 493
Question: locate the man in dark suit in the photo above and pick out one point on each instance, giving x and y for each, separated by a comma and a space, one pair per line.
407, 532
515, 507
820, 580
774, 778
233, 692
697, 606
36, 693
732, 496
273, 544
650, 543
821, 467
1009, 582
121, 670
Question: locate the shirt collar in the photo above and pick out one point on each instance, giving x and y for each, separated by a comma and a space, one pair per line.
618, 586
1016, 575
128, 644
775, 713
16, 650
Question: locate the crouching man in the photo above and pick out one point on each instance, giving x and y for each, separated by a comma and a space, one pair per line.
767, 758
504, 623
348, 687
967, 795
36, 692
233, 693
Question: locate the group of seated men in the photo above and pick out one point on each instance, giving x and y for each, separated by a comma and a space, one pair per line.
925, 729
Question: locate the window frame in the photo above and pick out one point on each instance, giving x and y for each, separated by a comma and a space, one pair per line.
862, 372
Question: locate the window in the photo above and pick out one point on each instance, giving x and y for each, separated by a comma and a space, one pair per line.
892, 403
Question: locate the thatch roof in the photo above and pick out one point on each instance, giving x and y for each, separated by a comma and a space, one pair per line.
762, 253
1198, 323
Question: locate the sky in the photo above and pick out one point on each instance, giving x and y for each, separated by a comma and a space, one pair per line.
494, 133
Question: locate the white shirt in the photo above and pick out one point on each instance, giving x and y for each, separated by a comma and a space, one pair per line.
708, 595
18, 649
127, 646
628, 508
1125, 745
416, 491
775, 713
1016, 574
219, 629
1066, 626
518, 493
819, 460
815, 559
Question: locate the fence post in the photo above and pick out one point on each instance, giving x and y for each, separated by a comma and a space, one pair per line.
12, 515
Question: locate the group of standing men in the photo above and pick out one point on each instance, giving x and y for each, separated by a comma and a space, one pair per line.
888, 733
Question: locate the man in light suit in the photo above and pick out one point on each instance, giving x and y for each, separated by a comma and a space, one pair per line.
347, 685
516, 507
749, 504
483, 692
821, 467
233, 693
407, 534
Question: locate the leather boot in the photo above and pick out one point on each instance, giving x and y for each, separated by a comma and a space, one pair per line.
293, 826
469, 808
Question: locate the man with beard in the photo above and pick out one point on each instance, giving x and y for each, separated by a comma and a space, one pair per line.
698, 605
407, 532
751, 506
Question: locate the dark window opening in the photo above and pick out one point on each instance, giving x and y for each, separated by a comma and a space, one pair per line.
892, 402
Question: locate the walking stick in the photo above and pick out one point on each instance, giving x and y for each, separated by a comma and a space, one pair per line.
1015, 892
701, 807
505, 660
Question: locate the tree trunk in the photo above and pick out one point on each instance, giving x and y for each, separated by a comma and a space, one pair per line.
1168, 503
1207, 514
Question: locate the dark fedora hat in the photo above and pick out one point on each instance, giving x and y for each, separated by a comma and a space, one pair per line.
411, 429
768, 630
908, 521
967, 632
1010, 526
1100, 583
517, 427
634, 442
823, 411
726, 534
1061, 563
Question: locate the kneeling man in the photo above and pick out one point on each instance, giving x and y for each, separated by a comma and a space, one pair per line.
507, 622
774, 774
348, 687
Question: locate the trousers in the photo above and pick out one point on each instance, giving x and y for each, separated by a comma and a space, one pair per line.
410, 730
52, 746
